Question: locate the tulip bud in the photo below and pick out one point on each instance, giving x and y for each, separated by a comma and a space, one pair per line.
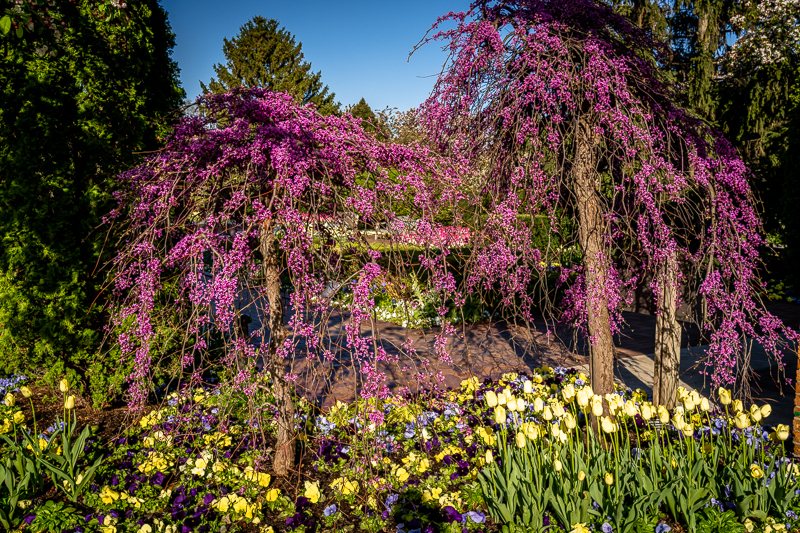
528, 387
489, 457
502, 398
766, 410
500, 414
724, 396
63, 386
742, 421
491, 399
70, 402
10, 400
581, 475
558, 466
568, 393
609, 478
663, 414
26, 392
538, 405
597, 406
583, 399
569, 421
695, 396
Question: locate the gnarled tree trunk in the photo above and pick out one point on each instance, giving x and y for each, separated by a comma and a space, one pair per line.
592, 232
667, 365
285, 447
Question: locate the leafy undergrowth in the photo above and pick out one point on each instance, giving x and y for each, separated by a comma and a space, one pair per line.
202, 462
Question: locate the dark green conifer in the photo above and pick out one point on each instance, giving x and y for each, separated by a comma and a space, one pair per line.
264, 55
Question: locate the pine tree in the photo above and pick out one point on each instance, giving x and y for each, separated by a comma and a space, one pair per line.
369, 120
264, 55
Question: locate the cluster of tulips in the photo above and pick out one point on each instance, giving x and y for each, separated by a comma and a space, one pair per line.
585, 458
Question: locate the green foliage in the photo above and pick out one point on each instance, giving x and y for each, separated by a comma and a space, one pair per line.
264, 55
64, 468
83, 91
20, 478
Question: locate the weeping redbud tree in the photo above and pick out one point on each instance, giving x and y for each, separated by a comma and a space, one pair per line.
562, 113
254, 198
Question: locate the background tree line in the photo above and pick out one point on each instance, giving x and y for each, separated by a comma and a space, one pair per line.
87, 86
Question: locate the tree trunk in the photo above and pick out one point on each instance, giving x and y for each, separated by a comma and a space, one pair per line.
592, 232
284, 449
667, 365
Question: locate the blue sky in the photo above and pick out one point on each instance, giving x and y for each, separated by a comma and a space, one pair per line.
361, 47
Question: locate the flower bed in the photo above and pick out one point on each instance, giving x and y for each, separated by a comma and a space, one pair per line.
515, 454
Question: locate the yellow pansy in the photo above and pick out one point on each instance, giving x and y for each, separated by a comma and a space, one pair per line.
312, 492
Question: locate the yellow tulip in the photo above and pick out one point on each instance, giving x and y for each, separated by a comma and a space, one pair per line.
491, 399
26, 392
528, 387
583, 399
502, 398
272, 495
548, 413
607, 425
704, 405
755, 413
663, 414
782, 432
737, 406
609, 478
538, 405
489, 457
742, 421
500, 414
647, 412
724, 396
70, 402
756, 471
568, 393
766, 410
19, 417
581, 475
63, 386
9, 400
580, 528
569, 421
597, 406
511, 403
557, 465
520, 438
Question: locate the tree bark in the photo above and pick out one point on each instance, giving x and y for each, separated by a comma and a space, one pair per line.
667, 365
592, 232
283, 462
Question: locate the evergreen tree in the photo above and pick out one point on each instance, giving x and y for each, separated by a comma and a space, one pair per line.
264, 55
369, 120
83, 87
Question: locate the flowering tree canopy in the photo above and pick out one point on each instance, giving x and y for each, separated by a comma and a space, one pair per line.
251, 195
561, 111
